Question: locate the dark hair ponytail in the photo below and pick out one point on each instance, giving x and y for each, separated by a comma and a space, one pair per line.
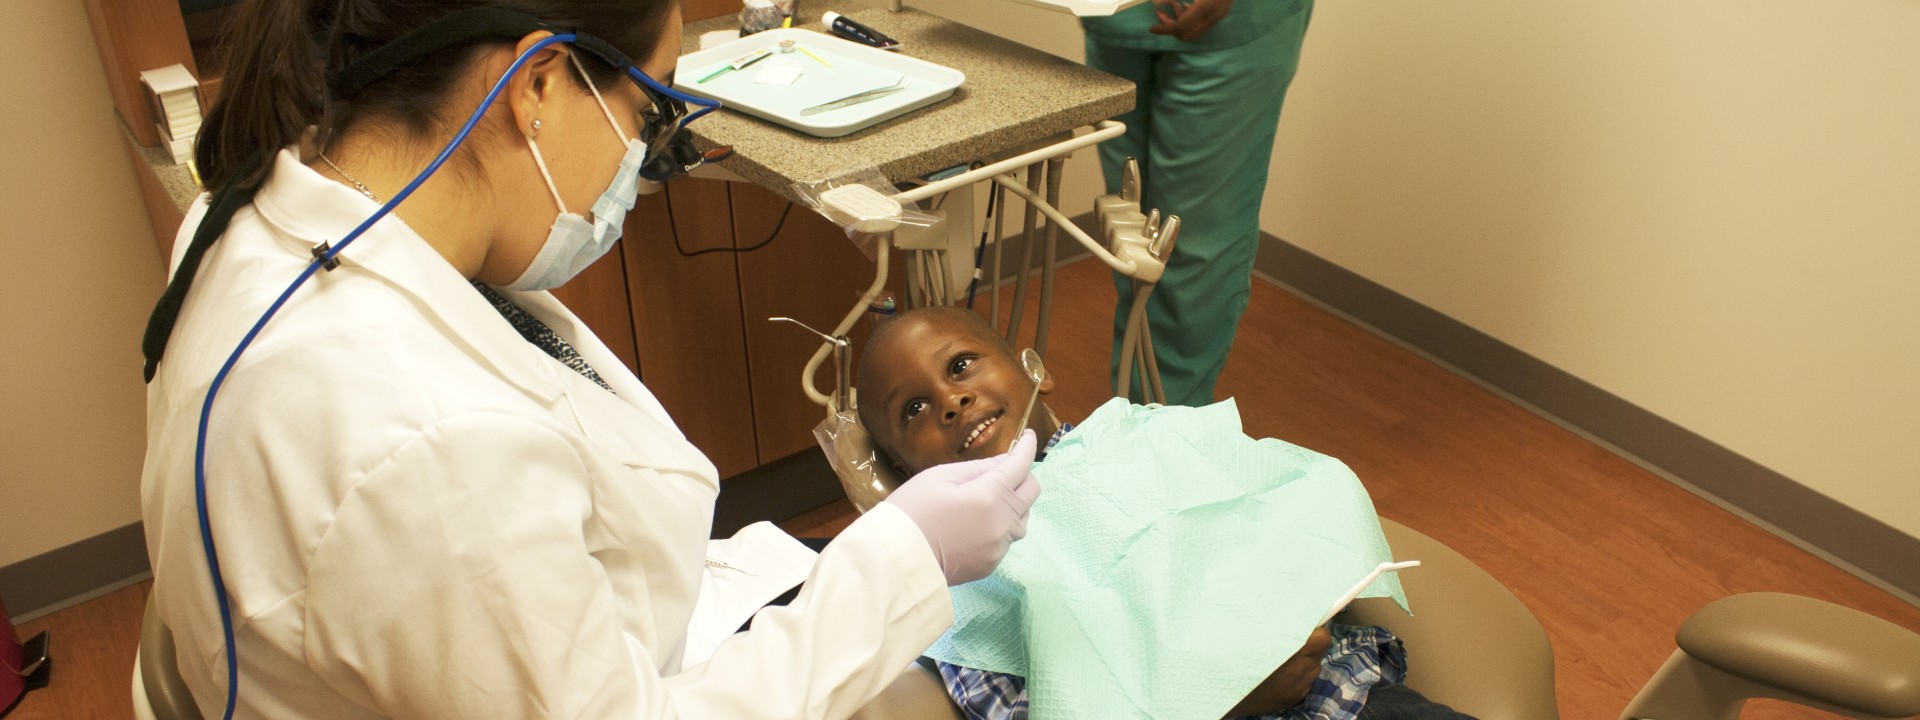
273, 90
279, 54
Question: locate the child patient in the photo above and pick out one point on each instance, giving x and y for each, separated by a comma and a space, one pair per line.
938, 385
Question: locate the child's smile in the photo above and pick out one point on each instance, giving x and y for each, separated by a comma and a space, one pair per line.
935, 388
983, 428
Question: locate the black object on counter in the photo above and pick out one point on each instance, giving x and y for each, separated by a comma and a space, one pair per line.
850, 29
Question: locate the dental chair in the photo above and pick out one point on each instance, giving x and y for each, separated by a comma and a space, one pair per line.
1475, 647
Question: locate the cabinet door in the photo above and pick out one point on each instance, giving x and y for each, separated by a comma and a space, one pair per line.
809, 272
699, 326
686, 318
599, 296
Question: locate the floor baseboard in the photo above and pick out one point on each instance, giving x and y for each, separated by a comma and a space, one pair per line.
1860, 544
74, 573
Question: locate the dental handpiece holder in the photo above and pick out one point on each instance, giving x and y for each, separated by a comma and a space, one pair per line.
870, 207
1135, 246
864, 204
864, 476
861, 209
1143, 240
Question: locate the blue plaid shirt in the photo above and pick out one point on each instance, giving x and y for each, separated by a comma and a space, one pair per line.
1360, 658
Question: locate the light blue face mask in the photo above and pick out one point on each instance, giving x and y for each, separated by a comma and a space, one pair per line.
573, 243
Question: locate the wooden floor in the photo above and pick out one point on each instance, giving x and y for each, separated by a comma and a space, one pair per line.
1610, 557
93, 645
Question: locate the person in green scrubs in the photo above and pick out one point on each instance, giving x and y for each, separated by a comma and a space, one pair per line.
1211, 76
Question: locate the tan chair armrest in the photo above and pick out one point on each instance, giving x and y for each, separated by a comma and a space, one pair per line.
1799, 645
1470, 643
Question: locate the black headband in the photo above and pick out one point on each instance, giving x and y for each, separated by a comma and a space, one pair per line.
457, 27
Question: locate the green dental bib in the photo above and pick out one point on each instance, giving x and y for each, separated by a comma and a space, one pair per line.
1170, 565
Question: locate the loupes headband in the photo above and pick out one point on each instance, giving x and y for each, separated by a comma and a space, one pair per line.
670, 152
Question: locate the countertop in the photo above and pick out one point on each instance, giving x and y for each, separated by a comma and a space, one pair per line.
1014, 96
175, 179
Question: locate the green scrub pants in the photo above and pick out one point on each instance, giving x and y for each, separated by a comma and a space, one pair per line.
1202, 127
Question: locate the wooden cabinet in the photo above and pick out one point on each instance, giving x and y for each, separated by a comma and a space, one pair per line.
698, 325
135, 36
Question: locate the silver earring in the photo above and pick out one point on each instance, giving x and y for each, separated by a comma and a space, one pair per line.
536, 124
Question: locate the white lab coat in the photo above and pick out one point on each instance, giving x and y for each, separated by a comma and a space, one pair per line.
419, 514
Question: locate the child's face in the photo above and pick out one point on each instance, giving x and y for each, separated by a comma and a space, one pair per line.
946, 394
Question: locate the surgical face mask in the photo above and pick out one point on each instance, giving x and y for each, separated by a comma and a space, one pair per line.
573, 243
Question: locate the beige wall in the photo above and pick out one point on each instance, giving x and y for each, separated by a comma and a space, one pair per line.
78, 273
1710, 209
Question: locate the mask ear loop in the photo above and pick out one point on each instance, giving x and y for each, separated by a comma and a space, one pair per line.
618, 131
541, 163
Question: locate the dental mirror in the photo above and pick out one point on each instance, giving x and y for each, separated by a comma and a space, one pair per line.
1036, 371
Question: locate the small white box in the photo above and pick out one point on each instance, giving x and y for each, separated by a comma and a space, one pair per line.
175, 99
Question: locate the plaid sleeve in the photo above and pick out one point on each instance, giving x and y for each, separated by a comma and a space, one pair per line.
1360, 658
984, 695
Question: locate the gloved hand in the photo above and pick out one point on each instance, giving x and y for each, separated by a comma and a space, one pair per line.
972, 511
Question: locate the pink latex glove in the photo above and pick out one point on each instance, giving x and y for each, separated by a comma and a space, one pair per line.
972, 511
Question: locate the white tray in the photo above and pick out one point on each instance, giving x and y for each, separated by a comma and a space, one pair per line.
855, 68
1085, 8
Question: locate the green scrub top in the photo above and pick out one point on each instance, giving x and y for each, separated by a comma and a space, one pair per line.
1246, 21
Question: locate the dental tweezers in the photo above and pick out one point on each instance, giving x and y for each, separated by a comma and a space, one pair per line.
854, 99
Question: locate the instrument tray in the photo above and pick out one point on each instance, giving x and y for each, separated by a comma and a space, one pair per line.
849, 68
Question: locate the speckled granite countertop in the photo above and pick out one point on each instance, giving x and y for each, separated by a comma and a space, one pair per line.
1014, 95
173, 178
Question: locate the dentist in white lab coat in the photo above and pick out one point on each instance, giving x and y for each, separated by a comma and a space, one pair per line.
434, 493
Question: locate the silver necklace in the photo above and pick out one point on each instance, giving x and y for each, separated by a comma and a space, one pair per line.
356, 183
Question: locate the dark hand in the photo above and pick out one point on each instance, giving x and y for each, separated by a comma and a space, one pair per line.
1287, 686
1189, 20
